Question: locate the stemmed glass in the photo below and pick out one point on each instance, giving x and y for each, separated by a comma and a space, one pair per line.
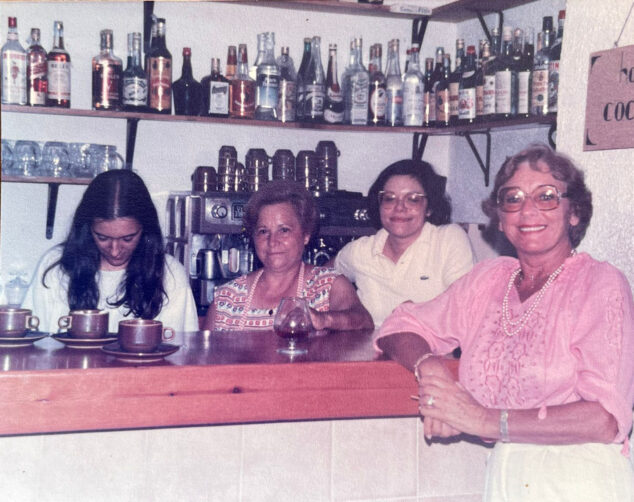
292, 321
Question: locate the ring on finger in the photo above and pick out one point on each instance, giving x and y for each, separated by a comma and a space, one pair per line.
430, 401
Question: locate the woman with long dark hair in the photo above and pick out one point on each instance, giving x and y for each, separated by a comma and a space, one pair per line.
113, 259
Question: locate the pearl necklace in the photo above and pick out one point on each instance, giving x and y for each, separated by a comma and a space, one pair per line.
247, 305
521, 322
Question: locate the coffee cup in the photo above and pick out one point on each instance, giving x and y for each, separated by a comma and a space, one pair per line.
87, 323
142, 335
14, 321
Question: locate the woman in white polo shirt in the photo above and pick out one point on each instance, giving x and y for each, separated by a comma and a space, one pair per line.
416, 253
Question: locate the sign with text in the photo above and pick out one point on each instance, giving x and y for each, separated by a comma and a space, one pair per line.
610, 100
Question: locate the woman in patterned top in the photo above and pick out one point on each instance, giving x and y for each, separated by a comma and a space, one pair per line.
281, 218
547, 339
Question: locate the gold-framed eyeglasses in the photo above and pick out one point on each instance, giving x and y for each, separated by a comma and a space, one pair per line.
411, 200
545, 198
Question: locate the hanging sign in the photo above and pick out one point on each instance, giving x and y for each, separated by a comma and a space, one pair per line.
610, 100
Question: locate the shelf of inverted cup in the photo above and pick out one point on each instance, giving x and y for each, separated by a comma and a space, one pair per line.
53, 190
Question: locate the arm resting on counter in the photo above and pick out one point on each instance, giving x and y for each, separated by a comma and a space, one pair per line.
346, 311
404, 348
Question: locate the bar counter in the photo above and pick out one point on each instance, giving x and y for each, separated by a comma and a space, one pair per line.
214, 378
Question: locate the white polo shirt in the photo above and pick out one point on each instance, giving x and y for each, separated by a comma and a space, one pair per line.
439, 256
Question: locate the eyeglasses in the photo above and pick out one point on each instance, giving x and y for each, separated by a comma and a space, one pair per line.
545, 198
411, 200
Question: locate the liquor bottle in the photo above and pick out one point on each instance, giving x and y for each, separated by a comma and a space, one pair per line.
215, 92
58, 70
160, 73
356, 87
454, 81
187, 91
134, 85
443, 111
300, 81
253, 69
539, 82
394, 86
435, 78
479, 78
286, 104
553, 65
408, 55
377, 99
242, 88
36, 81
315, 84
413, 91
13, 68
467, 92
267, 81
490, 68
106, 76
232, 62
427, 92
506, 79
524, 62
334, 107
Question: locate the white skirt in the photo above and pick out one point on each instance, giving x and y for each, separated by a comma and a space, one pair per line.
590, 472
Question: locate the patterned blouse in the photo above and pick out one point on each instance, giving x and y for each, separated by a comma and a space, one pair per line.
230, 300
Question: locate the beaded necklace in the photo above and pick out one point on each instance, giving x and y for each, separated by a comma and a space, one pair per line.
247, 305
510, 327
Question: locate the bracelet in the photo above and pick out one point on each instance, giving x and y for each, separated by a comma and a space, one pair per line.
417, 363
504, 426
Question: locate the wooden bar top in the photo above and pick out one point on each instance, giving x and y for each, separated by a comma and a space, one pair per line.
213, 378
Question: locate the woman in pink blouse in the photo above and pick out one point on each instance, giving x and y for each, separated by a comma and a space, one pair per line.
547, 340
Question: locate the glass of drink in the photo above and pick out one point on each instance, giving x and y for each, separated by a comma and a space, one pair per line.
292, 322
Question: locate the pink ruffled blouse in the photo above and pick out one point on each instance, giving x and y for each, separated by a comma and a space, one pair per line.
578, 343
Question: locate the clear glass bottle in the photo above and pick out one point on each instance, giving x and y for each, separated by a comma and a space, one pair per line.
187, 91
539, 81
134, 79
253, 69
36, 81
160, 72
242, 88
215, 88
377, 100
428, 93
106, 75
232, 62
267, 81
413, 91
356, 87
467, 92
315, 85
300, 83
394, 86
506, 79
523, 57
334, 107
443, 111
553, 65
287, 95
58, 70
454, 81
13, 67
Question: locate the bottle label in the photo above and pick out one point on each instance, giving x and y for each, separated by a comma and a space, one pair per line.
314, 101
286, 101
160, 83
432, 105
218, 98
334, 109
553, 85
523, 98
14, 77
412, 104
539, 100
378, 103
503, 92
134, 91
243, 96
479, 100
58, 80
443, 113
37, 82
454, 90
359, 92
267, 90
467, 104
105, 92
488, 91
394, 107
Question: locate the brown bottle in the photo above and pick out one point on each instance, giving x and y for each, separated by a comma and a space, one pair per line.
159, 72
243, 88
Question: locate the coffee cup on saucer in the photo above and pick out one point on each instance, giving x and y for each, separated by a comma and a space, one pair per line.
142, 335
14, 321
85, 323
